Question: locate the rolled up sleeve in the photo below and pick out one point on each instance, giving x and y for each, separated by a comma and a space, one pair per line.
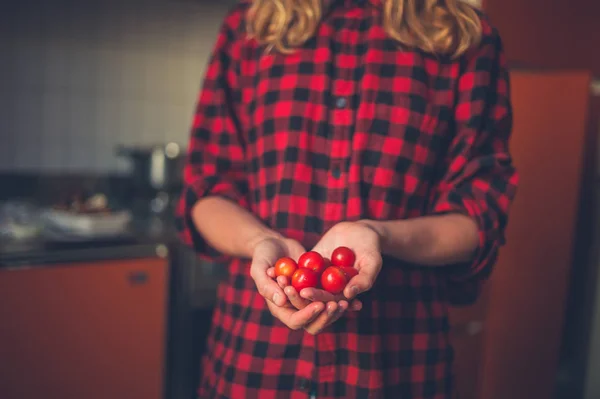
480, 180
215, 161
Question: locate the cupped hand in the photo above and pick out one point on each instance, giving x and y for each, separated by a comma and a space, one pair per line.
365, 241
282, 299
300, 300
313, 318
265, 255
298, 313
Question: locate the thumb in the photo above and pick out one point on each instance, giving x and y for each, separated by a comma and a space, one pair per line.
364, 280
267, 287
295, 250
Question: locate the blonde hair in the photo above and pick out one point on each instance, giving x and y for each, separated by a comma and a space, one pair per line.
448, 27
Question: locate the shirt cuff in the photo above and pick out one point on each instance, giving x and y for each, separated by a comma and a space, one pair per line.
191, 194
490, 237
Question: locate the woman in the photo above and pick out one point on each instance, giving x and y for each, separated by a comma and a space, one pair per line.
381, 125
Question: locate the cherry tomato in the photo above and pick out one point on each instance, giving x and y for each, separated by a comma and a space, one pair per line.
343, 257
349, 272
285, 267
312, 260
333, 280
305, 278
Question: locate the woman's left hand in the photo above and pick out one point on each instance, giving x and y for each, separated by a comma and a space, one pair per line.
365, 241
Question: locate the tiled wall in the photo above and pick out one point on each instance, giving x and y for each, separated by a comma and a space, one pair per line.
77, 78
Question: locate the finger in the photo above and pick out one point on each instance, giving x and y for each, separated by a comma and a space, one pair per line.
362, 282
295, 299
282, 281
267, 287
296, 319
334, 311
321, 321
368, 269
317, 295
305, 316
355, 305
271, 272
343, 307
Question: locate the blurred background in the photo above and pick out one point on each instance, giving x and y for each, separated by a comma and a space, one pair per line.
97, 298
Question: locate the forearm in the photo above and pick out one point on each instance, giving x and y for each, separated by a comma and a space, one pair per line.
229, 228
430, 240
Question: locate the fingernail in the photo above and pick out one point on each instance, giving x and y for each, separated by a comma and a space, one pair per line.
317, 311
331, 311
354, 290
276, 298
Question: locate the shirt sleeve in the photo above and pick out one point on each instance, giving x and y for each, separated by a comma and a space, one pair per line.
215, 161
479, 178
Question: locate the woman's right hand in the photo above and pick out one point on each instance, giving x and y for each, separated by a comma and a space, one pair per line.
266, 253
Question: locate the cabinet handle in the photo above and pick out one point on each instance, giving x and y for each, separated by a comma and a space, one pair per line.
469, 328
474, 327
138, 278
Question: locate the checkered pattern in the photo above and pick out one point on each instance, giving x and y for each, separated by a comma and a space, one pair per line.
349, 127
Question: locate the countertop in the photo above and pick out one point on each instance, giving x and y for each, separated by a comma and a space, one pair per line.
147, 236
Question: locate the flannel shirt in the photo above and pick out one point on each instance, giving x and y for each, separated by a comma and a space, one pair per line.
350, 126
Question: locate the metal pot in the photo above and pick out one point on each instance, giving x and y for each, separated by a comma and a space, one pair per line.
157, 168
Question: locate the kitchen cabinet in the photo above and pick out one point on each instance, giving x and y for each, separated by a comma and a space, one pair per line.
92, 330
508, 343
550, 34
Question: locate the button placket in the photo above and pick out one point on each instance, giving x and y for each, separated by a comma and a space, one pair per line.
336, 172
341, 102
303, 384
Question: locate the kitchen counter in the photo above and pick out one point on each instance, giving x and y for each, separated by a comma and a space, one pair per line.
147, 237
38, 253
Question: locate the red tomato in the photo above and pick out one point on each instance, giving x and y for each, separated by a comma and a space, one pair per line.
333, 280
343, 257
285, 267
349, 272
312, 260
304, 278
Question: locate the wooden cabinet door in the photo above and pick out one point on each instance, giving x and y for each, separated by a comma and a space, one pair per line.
528, 289
548, 34
94, 330
521, 312
466, 336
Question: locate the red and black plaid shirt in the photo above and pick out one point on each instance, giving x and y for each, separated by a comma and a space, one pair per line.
348, 127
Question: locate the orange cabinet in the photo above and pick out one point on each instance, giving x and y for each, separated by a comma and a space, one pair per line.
549, 34
522, 312
90, 330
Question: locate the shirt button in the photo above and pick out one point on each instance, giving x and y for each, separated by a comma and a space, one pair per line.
341, 102
303, 384
336, 172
